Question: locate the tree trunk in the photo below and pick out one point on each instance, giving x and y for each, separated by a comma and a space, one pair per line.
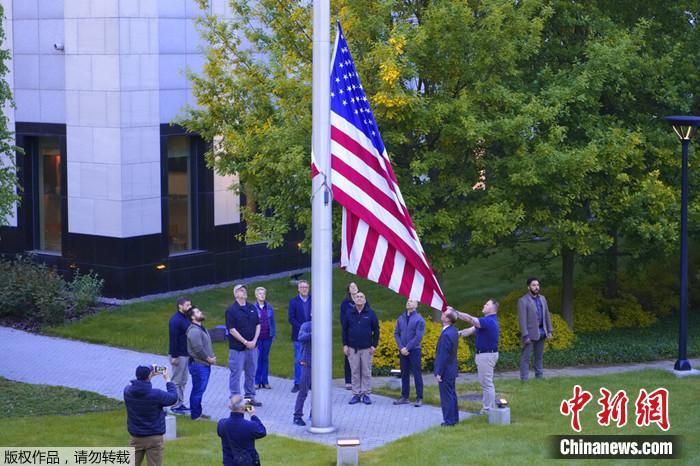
567, 286
611, 283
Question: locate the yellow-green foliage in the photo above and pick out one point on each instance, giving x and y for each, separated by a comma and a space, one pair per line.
510, 333
588, 314
627, 312
387, 355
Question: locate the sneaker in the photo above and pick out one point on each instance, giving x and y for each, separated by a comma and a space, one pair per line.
255, 403
178, 410
203, 417
259, 386
184, 408
266, 386
348, 386
299, 421
366, 400
418, 403
444, 424
295, 388
354, 400
401, 401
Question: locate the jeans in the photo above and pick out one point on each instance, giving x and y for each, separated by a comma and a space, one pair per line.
263, 361
200, 378
304, 384
408, 364
239, 362
297, 358
538, 347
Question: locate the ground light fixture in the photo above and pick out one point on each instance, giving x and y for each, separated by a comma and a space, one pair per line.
683, 126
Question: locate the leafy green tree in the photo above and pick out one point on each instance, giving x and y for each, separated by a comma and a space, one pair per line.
560, 102
8, 177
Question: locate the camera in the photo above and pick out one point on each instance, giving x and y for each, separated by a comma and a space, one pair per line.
248, 406
157, 369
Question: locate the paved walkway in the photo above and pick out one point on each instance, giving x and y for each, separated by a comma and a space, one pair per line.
106, 370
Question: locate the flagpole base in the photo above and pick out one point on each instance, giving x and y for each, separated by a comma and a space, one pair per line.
322, 430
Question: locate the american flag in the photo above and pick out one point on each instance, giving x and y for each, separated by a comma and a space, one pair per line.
379, 241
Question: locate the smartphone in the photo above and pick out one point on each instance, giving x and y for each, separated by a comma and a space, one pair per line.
158, 369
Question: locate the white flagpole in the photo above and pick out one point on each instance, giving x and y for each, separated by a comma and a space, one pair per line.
321, 228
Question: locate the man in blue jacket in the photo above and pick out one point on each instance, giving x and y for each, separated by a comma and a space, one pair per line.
145, 418
299, 312
238, 435
360, 340
446, 368
179, 357
410, 327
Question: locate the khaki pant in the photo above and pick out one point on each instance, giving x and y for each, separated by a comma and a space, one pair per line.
179, 378
151, 447
361, 369
485, 363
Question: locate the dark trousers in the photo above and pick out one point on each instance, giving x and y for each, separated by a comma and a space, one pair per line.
348, 373
297, 359
200, 379
538, 348
261, 373
304, 384
408, 364
448, 400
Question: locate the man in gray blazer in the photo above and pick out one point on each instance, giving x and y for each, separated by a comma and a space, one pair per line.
535, 326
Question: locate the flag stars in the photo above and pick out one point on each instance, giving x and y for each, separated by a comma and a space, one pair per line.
345, 102
337, 80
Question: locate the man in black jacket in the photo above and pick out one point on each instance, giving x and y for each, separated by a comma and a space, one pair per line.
360, 340
145, 418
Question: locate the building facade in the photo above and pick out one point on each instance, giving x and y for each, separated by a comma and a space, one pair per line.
108, 183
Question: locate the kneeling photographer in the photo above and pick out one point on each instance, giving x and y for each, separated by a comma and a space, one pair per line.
145, 418
238, 434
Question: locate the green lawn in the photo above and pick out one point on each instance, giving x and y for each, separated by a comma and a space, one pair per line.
144, 326
535, 415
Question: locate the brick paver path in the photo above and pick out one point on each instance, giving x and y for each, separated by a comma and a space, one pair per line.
106, 370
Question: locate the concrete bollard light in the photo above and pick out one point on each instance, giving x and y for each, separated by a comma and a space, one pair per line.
170, 428
395, 380
499, 415
348, 451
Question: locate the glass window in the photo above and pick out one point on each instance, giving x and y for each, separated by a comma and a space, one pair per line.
179, 203
49, 194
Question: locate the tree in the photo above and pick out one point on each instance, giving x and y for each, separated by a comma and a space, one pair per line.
560, 102
8, 177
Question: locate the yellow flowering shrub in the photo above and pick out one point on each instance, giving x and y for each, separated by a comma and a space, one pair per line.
627, 312
510, 339
387, 355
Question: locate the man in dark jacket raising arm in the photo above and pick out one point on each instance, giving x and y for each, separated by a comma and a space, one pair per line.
145, 418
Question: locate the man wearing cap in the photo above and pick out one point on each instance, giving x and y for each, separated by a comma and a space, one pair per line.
238, 435
179, 358
243, 326
487, 334
145, 418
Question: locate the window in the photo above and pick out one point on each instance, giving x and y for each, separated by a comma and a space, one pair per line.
179, 198
49, 194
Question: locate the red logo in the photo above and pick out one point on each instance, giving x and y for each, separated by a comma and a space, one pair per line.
652, 408
575, 405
